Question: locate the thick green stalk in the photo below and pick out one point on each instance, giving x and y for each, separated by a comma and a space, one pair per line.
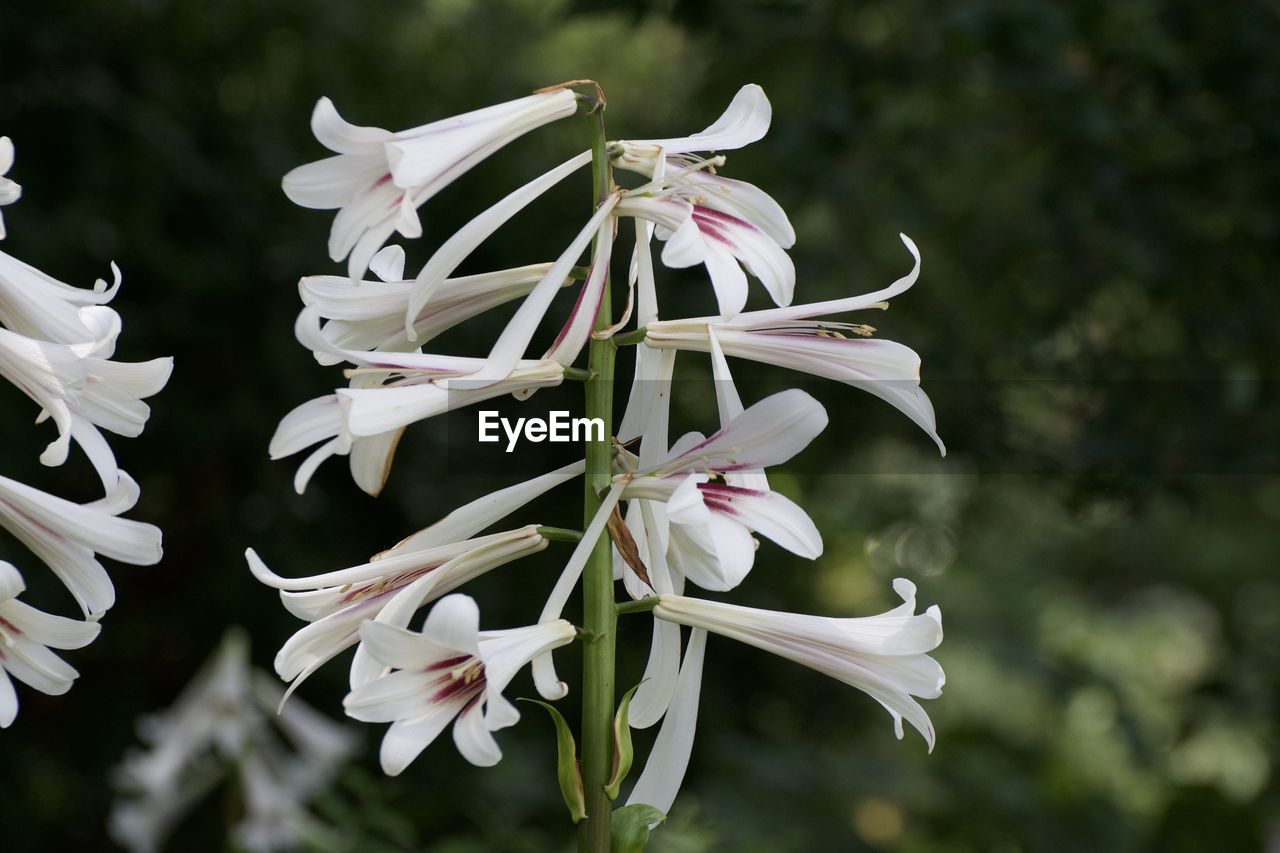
599, 616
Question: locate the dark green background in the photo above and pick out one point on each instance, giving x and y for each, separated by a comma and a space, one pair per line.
1093, 187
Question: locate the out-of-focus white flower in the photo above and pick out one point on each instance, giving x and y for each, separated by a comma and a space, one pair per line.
81, 392
395, 583
379, 179
68, 536
791, 338
451, 669
9, 189
225, 723
26, 637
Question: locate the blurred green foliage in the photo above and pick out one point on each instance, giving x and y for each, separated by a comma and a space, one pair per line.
1093, 186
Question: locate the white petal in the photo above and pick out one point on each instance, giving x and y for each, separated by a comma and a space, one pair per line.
746, 120
473, 517
768, 433
664, 771
388, 264
402, 649
515, 338
310, 423
775, 316
768, 513
336, 134
8, 695
57, 632
335, 181
658, 684
406, 739
727, 278
454, 623
472, 737
371, 457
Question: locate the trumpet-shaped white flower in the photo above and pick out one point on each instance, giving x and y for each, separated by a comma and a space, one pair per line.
81, 392
373, 411
450, 670
9, 189
885, 656
26, 637
711, 517
369, 315
39, 306
395, 583
378, 179
225, 723
68, 536
791, 338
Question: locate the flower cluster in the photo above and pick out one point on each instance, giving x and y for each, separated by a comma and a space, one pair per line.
222, 726
693, 506
56, 346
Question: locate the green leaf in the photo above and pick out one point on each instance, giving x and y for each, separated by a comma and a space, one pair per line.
567, 769
623, 752
630, 832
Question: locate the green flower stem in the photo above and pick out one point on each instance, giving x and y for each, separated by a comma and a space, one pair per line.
599, 614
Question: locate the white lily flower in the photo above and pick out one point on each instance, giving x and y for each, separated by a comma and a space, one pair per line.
395, 583
68, 536
367, 419
885, 656
320, 420
711, 517
39, 306
379, 179
369, 315
374, 411
791, 338
9, 189
723, 224
26, 637
746, 120
450, 670
82, 392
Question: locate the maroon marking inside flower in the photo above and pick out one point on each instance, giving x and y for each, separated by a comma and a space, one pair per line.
384, 179
447, 663
384, 586
9, 626
718, 219
719, 497
467, 686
